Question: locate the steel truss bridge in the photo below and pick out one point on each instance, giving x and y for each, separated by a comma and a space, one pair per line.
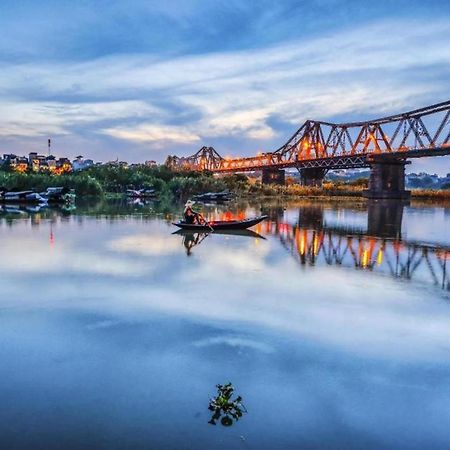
325, 145
342, 247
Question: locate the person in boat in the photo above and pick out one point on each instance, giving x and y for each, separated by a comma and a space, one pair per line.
190, 216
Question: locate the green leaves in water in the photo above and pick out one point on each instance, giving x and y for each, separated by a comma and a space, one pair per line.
224, 407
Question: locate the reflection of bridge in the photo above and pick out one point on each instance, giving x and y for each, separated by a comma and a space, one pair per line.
398, 258
383, 144
377, 247
352, 247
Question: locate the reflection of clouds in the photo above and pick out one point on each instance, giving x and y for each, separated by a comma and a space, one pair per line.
235, 342
358, 315
33, 256
231, 281
151, 245
222, 258
102, 324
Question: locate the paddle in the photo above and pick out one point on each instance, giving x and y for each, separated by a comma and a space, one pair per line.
205, 222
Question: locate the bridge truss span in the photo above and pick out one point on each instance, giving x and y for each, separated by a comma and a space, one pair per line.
319, 144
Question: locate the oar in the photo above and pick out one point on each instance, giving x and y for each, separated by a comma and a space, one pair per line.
206, 222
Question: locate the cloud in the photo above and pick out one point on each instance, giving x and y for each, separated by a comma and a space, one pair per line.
251, 123
253, 97
42, 119
149, 133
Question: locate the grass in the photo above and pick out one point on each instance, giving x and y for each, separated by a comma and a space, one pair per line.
431, 194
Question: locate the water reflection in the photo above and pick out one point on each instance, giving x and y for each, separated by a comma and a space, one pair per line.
377, 247
111, 329
401, 259
306, 232
191, 239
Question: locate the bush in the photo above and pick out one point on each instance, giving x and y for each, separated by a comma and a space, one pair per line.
83, 183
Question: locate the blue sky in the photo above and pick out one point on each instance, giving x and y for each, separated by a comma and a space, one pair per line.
140, 79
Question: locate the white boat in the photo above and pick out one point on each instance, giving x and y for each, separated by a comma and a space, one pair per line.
59, 195
141, 193
22, 197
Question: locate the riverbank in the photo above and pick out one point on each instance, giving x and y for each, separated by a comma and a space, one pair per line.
335, 190
114, 181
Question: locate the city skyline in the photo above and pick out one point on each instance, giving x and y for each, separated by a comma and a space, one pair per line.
146, 80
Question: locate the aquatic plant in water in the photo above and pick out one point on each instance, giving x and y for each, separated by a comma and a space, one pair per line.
224, 407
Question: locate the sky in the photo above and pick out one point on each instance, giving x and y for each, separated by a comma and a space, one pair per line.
142, 79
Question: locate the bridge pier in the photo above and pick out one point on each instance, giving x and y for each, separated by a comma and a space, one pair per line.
311, 216
384, 218
312, 176
387, 180
273, 176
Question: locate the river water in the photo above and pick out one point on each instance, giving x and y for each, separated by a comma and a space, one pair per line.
331, 320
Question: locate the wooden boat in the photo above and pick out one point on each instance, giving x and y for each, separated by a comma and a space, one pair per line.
220, 224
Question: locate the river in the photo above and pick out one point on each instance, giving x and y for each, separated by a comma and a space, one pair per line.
331, 319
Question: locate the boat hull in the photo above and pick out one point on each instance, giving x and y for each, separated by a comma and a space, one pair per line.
221, 225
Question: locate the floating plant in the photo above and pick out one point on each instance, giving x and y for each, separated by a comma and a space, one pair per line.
224, 407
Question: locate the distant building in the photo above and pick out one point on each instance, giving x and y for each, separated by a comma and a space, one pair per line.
63, 165
37, 163
79, 163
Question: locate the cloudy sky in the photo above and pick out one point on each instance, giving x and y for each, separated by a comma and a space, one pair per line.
140, 79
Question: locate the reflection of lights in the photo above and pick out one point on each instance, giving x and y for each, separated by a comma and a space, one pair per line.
52, 237
303, 244
443, 255
365, 258
362, 252
380, 257
316, 245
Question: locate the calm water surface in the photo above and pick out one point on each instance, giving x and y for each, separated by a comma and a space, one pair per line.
332, 321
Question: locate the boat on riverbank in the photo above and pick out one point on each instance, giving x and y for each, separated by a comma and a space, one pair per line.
59, 195
30, 197
140, 193
52, 195
223, 196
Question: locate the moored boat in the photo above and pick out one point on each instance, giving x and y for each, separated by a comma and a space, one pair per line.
214, 197
220, 224
141, 193
59, 195
22, 197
